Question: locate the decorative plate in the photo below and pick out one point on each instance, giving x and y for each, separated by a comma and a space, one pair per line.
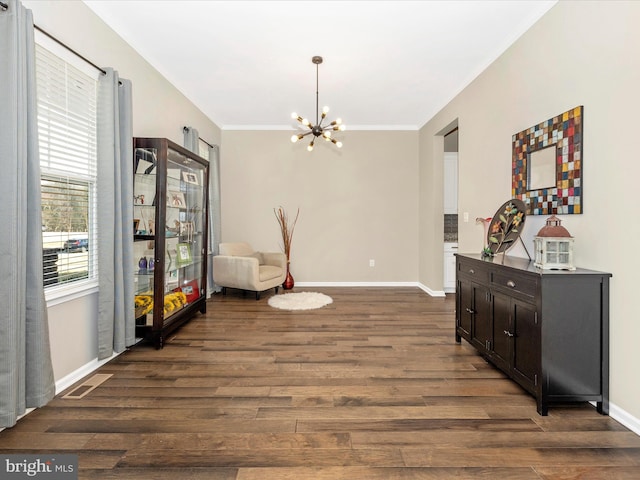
506, 225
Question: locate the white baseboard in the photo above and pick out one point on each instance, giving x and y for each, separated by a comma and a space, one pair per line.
625, 418
433, 293
356, 284
424, 288
68, 380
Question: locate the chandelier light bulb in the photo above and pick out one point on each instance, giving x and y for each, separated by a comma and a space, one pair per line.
305, 122
294, 115
342, 128
338, 121
325, 109
339, 144
294, 138
310, 147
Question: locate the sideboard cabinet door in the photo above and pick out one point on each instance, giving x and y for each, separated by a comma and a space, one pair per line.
526, 345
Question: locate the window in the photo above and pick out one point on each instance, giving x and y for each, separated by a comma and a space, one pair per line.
203, 149
66, 98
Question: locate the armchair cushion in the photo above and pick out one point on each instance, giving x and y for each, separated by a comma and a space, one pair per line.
239, 266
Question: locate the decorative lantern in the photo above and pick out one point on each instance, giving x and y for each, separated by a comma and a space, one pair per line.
553, 246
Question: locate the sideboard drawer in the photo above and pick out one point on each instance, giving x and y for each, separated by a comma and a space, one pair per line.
473, 271
517, 283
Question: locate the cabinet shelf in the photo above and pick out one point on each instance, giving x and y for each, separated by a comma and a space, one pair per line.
170, 210
138, 238
145, 272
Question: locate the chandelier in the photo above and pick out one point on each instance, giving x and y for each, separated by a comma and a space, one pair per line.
318, 130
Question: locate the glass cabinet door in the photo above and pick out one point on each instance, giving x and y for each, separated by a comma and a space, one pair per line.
184, 229
144, 218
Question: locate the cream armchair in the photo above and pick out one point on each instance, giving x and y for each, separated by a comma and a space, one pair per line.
239, 266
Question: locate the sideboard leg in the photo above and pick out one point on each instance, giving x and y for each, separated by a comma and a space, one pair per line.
543, 406
603, 407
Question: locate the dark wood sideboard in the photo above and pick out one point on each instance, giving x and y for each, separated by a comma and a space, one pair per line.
548, 330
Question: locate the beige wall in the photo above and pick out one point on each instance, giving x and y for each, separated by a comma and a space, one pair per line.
356, 203
159, 110
580, 53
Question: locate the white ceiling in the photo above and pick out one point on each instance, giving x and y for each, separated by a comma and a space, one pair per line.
387, 64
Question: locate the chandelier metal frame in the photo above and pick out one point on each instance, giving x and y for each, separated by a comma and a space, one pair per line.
318, 129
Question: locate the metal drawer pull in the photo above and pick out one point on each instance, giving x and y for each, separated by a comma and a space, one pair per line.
508, 334
511, 284
471, 271
470, 311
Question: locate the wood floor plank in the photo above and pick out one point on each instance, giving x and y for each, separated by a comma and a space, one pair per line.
263, 457
138, 443
516, 456
371, 387
387, 473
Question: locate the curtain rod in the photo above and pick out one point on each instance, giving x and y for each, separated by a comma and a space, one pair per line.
185, 128
70, 49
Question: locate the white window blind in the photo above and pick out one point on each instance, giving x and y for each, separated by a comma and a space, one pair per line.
203, 149
66, 99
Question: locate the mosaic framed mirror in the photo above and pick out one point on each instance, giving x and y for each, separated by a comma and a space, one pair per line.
547, 165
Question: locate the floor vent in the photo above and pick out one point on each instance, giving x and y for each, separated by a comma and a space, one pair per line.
88, 385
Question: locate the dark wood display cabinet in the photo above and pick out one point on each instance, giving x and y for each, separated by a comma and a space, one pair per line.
546, 329
170, 236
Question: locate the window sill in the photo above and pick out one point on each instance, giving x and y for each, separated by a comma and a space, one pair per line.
66, 293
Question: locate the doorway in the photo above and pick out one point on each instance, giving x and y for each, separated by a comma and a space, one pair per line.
450, 217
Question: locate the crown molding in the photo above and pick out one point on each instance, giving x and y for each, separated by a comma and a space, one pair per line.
350, 128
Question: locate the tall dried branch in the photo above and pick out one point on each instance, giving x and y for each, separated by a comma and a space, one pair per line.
286, 229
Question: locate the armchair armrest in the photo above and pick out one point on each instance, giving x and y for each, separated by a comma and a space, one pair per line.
277, 259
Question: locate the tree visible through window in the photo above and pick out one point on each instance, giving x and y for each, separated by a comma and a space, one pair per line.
66, 99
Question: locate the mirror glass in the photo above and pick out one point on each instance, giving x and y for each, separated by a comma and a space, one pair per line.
541, 169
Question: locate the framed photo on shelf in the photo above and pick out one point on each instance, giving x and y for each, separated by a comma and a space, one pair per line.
183, 253
190, 177
176, 199
191, 290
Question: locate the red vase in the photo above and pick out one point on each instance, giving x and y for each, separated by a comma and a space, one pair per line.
288, 281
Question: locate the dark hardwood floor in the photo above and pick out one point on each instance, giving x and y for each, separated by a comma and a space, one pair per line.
370, 387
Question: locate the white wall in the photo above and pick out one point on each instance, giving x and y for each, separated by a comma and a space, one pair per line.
580, 53
159, 110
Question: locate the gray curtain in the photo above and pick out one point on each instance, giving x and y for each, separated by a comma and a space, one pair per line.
116, 319
26, 372
191, 141
215, 227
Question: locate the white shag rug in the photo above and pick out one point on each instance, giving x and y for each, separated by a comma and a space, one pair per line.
300, 301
